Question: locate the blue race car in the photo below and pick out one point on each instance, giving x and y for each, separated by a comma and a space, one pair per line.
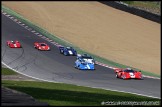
84, 62
67, 51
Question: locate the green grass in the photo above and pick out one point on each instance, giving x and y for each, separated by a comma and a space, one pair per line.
59, 94
6, 71
64, 43
147, 4
154, 7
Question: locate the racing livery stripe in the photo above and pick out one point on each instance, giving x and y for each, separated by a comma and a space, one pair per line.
88, 66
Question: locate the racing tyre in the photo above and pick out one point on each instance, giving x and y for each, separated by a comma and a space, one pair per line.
116, 75
141, 78
65, 53
123, 77
61, 51
75, 66
78, 67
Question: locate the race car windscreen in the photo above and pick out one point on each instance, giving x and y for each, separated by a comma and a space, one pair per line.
87, 57
13, 42
126, 70
43, 44
69, 48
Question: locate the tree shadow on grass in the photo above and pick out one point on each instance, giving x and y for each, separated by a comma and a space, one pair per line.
77, 97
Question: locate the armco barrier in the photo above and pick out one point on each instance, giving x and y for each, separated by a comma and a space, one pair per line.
132, 10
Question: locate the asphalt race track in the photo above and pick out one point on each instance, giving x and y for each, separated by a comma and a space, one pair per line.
53, 66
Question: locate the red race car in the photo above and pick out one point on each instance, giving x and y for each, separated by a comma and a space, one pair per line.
13, 44
128, 73
41, 46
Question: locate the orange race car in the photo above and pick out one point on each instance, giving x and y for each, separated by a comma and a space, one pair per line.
13, 44
128, 73
41, 46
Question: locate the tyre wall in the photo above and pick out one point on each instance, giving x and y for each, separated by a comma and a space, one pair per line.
132, 10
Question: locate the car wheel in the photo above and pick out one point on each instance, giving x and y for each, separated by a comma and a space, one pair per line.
65, 53
79, 67
141, 78
123, 77
75, 66
75, 54
61, 51
116, 75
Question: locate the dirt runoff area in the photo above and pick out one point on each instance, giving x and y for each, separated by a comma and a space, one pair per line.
107, 32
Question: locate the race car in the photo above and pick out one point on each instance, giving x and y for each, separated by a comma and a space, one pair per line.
128, 73
84, 62
13, 44
67, 51
41, 46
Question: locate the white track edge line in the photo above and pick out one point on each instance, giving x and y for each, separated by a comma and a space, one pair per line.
77, 85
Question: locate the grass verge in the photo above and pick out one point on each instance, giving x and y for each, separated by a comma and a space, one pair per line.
152, 6
7, 71
64, 43
60, 94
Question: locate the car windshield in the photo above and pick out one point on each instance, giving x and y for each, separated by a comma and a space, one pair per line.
126, 70
43, 44
87, 57
88, 60
13, 42
69, 48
